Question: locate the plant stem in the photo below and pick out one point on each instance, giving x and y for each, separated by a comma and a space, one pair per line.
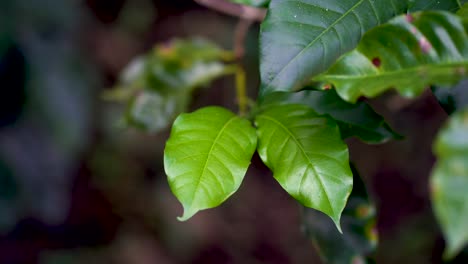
242, 29
241, 90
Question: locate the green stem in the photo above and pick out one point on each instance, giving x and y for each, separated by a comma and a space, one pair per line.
228, 56
241, 91
229, 69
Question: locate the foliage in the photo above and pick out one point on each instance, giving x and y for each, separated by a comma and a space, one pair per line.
449, 181
300, 39
317, 59
307, 157
158, 85
431, 46
207, 157
358, 119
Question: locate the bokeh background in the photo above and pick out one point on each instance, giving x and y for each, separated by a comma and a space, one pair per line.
77, 188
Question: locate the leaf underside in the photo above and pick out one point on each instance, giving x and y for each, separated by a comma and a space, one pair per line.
449, 182
407, 54
307, 157
302, 38
207, 156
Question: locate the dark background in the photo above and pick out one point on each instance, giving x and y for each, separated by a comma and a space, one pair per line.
76, 188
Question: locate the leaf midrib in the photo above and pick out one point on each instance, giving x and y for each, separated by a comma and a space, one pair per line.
291, 135
318, 38
208, 156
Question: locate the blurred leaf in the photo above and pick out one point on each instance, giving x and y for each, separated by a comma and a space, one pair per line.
158, 85
463, 12
449, 5
5, 43
153, 112
8, 197
184, 64
45, 144
307, 157
357, 119
359, 238
8, 185
449, 182
93, 255
257, 3
136, 16
452, 98
408, 54
302, 38
207, 156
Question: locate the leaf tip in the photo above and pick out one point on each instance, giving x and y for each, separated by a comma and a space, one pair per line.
453, 248
449, 253
188, 213
336, 220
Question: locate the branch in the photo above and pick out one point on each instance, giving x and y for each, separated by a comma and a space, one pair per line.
237, 10
240, 34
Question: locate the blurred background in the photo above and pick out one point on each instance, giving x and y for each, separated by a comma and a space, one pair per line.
77, 188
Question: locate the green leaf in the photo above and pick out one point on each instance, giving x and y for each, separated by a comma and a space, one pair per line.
302, 38
449, 182
257, 3
463, 11
184, 65
158, 85
207, 156
307, 157
449, 5
152, 112
357, 119
359, 238
409, 53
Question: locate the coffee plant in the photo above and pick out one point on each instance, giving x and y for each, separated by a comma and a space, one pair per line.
319, 59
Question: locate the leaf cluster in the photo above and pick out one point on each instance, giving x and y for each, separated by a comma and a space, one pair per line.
319, 60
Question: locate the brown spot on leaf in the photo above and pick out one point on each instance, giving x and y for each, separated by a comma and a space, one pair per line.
460, 71
377, 62
327, 87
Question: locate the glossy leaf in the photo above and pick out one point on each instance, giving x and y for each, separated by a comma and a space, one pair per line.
307, 157
207, 156
302, 38
449, 182
359, 238
408, 54
357, 119
448, 5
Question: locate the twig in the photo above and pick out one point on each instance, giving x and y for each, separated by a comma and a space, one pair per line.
237, 10
242, 29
